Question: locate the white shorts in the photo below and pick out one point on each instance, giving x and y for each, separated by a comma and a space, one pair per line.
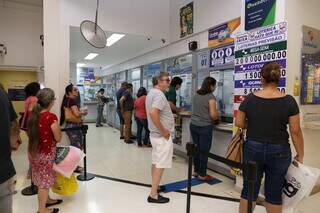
162, 152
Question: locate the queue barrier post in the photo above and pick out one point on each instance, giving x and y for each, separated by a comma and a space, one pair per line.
30, 190
85, 176
249, 171
191, 152
251, 176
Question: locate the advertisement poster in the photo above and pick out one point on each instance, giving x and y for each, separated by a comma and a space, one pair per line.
222, 56
223, 34
310, 78
186, 20
152, 69
16, 94
259, 13
254, 49
181, 65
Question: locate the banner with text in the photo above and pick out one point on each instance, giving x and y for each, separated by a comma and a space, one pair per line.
254, 49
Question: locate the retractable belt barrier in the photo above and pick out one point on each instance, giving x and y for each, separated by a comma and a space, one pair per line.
32, 189
250, 171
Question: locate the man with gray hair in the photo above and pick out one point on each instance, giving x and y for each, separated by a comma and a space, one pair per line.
161, 126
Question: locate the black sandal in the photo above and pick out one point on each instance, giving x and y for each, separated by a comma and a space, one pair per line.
54, 203
55, 210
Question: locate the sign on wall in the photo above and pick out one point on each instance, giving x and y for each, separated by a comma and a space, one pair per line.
16, 94
85, 75
310, 78
203, 59
222, 56
223, 34
186, 20
254, 49
259, 13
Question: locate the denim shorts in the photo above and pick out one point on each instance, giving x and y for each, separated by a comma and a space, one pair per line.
273, 162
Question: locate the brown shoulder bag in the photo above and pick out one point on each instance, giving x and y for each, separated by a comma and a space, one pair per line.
235, 148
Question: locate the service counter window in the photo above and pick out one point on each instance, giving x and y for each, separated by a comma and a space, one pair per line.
134, 77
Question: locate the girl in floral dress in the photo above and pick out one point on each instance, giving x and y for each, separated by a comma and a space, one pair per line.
44, 132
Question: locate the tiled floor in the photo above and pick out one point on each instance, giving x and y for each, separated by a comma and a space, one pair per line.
108, 156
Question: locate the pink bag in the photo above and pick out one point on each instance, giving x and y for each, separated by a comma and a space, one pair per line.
67, 160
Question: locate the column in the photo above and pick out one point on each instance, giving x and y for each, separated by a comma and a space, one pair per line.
56, 51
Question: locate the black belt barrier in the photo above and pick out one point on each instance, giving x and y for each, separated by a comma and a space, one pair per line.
250, 169
33, 189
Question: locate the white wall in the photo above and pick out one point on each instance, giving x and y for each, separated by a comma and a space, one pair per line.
20, 31
300, 13
207, 13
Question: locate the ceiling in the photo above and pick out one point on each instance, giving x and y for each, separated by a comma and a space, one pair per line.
128, 47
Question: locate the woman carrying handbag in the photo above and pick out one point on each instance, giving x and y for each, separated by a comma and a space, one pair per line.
71, 115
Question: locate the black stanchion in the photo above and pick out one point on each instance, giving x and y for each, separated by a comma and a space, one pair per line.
249, 169
251, 175
85, 176
30, 190
191, 151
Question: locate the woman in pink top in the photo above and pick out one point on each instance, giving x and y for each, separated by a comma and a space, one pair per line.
141, 118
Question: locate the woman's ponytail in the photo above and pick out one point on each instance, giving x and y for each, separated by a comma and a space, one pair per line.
33, 129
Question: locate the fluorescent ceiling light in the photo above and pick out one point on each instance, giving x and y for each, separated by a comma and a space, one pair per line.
91, 56
114, 38
80, 64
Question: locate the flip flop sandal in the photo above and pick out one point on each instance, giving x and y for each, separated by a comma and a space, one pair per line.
54, 203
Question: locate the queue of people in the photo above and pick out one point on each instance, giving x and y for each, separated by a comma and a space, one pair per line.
267, 137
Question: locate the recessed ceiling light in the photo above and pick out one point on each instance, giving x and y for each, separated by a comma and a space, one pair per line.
80, 64
114, 38
91, 56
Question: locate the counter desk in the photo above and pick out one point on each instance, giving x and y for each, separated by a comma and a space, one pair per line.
222, 135
92, 111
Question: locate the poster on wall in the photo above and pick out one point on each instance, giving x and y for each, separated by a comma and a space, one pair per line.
186, 20
254, 49
259, 13
181, 65
16, 94
85, 75
310, 76
223, 34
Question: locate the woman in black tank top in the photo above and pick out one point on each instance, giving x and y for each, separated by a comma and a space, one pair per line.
266, 115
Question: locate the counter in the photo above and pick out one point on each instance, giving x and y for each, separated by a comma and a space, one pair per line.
92, 111
222, 135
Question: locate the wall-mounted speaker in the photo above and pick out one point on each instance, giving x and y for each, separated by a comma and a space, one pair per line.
193, 46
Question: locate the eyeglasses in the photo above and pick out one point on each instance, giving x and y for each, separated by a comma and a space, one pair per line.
167, 80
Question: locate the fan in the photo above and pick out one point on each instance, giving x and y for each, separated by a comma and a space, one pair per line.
92, 33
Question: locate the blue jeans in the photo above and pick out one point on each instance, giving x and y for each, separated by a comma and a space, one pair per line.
202, 137
273, 161
100, 114
142, 124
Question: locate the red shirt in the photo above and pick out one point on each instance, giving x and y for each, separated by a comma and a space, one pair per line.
140, 107
47, 143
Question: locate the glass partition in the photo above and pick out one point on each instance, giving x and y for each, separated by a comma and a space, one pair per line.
134, 76
148, 72
224, 93
182, 67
